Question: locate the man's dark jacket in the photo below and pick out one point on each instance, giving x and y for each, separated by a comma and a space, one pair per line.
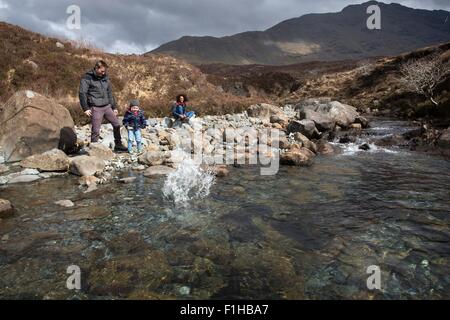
95, 91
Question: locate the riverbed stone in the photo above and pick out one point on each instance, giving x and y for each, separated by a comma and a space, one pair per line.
127, 180
364, 146
120, 275
356, 126
305, 127
158, 170
31, 124
264, 111
53, 160
3, 168
152, 158
24, 178
88, 180
342, 114
323, 121
363, 121
100, 151
87, 213
297, 157
46, 175
219, 170
6, 209
325, 148
444, 139
86, 165
65, 203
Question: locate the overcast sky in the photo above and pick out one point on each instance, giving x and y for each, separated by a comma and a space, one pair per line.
138, 26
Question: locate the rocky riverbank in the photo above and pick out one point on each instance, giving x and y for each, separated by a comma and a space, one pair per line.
295, 134
291, 135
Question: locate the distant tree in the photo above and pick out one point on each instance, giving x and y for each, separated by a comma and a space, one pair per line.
423, 75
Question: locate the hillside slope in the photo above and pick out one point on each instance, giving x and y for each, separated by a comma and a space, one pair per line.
35, 62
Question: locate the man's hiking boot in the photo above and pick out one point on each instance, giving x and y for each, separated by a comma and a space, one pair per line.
120, 148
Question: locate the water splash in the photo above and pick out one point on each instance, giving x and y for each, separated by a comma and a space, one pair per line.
353, 148
350, 149
188, 182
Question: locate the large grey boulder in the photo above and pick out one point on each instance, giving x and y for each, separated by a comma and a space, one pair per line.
305, 127
326, 112
264, 111
30, 124
323, 121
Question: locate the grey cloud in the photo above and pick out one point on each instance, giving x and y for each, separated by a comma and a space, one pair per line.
139, 25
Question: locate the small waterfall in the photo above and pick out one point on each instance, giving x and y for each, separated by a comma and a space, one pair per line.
188, 182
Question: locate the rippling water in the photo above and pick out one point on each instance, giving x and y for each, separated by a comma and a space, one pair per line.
307, 233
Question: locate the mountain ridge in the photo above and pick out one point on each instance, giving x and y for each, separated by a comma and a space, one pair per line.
320, 36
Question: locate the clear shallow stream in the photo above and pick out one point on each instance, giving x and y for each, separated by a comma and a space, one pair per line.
306, 233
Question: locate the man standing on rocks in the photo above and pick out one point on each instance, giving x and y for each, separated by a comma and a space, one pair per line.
97, 102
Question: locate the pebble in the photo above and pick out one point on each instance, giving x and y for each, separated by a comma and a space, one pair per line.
127, 180
185, 290
65, 203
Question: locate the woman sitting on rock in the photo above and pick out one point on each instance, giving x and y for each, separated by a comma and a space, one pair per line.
179, 109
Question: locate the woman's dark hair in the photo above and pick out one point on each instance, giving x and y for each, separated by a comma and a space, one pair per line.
184, 96
100, 63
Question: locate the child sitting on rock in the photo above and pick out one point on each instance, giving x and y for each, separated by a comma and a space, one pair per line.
134, 120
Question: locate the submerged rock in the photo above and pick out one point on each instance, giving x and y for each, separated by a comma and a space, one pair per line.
122, 275
6, 209
444, 139
87, 213
218, 170
391, 140
325, 148
347, 139
185, 290
65, 203
158, 170
239, 190
127, 180
88, 180
24, 178
3, 168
